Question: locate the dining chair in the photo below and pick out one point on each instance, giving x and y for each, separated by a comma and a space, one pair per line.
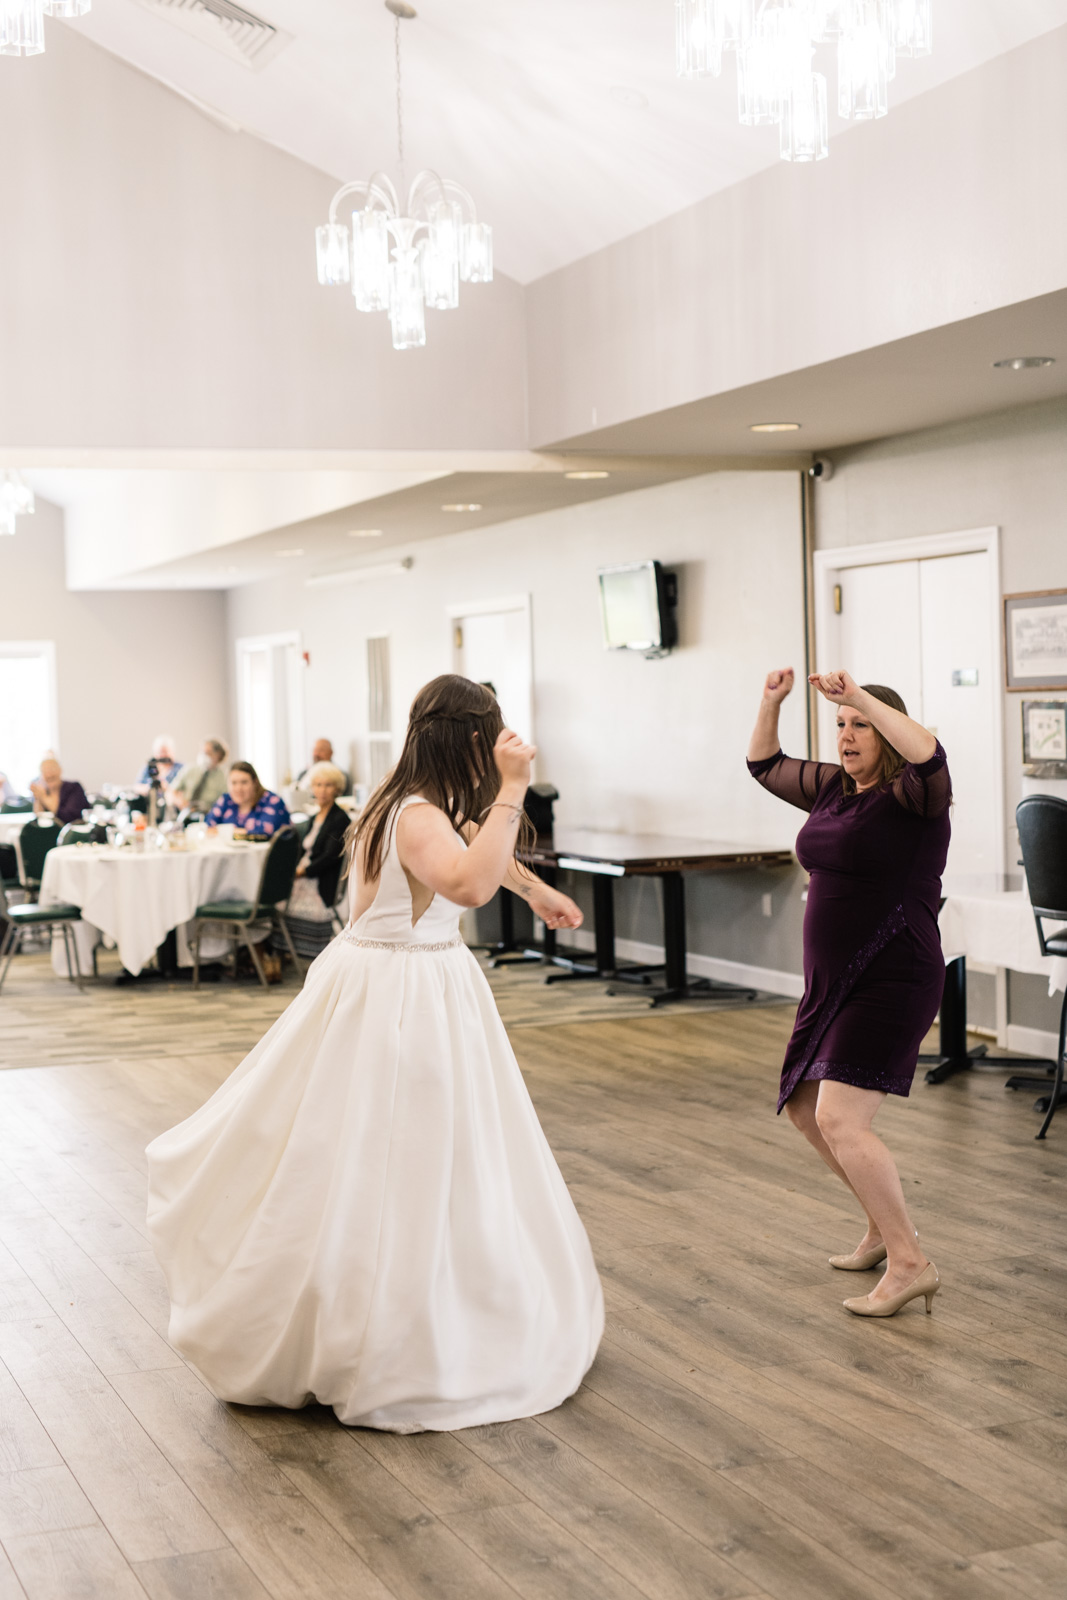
34, 916
82, 833
271, 903
1042, 823
21, 803
31, 847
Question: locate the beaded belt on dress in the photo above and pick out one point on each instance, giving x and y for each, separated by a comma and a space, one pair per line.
398, 944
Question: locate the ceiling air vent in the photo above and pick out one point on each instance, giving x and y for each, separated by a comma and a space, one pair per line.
238, 33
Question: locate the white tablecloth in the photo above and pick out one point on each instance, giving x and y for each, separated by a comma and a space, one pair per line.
12, 824
999, 930
136, 897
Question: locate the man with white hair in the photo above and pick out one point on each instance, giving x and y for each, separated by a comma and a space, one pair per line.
166, 761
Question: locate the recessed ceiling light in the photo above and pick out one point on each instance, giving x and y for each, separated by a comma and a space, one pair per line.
581, 477
773, 427
1017, 363
624, 95
471, 507
365, 533
288, 552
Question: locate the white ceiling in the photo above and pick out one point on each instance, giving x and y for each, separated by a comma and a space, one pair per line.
514, 98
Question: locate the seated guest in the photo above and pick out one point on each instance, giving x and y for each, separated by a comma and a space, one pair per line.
166, 761
53, 793
319, 872
200, 784
247, 804
321, 750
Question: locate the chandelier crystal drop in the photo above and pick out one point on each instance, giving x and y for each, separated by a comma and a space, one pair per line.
16, 500
401, 256
775, 43
22, 23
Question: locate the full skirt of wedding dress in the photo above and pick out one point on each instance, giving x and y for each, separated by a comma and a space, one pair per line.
367, 1212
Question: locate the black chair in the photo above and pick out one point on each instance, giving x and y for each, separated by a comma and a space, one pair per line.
271, 903
1042, 824
38, 917
31, 847
82, 833
21, 802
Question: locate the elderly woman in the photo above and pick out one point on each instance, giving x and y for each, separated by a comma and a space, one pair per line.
166, 762
875, 844
319, 873
65, 799
247, 804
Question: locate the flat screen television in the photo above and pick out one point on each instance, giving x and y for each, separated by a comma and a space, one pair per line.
637, 606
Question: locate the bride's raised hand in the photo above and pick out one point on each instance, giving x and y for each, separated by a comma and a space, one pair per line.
555, 910
778, 684
513, 758
836, 686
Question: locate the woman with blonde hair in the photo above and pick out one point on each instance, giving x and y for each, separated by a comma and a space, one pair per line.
875, 845
318, 876
367, 1212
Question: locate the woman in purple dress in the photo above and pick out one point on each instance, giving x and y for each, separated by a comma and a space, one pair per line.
875, 845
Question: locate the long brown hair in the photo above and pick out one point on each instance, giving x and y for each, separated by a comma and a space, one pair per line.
447, 758
892, 760
246, 766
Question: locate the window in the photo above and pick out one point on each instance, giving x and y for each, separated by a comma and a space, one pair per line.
27, 708
379, 709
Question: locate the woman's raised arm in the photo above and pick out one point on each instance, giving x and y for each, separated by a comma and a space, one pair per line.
797, 782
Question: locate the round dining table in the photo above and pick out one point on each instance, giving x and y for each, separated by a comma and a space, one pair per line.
134, 897
12, 824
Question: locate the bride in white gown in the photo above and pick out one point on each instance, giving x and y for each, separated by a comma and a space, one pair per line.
367, 1212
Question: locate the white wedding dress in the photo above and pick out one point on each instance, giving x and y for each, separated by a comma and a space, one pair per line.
367, 1212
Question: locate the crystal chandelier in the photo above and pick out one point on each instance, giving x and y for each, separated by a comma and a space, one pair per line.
775, 41
16, 500
22, 28
403, 260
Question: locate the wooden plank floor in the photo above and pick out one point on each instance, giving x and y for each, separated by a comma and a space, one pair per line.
739, 1435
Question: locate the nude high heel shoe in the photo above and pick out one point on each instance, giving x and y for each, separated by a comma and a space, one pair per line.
925, 1286
860, 1261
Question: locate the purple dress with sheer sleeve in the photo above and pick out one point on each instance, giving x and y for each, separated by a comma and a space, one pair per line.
873, 968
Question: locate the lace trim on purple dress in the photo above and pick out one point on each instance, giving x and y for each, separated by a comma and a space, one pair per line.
862, 1077
895, 923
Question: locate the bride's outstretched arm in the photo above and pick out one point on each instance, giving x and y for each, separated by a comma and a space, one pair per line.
556, 910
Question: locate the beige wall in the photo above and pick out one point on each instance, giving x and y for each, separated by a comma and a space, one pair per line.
630, 744
905, 228
128, 666
166, 291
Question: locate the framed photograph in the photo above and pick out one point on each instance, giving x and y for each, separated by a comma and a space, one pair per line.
1035, 639
1045, 738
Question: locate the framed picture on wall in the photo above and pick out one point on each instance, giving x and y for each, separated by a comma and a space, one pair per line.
1045, 738
1035, 639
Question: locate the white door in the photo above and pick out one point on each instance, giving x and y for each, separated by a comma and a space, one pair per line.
492, 645
960, 689
925, 628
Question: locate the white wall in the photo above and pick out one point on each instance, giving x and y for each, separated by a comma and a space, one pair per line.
901, 230
653, 746
630, 744
128, 666
166, 292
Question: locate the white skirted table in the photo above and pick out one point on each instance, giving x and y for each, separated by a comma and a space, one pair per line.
993, 930
135, 897
12, 824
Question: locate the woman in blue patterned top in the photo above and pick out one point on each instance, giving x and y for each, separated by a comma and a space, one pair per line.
247, 804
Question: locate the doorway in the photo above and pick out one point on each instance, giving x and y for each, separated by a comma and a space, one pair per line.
492, 643
922, 616
270, 706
